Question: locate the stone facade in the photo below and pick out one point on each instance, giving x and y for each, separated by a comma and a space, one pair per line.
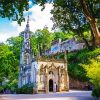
59, 46
52, 76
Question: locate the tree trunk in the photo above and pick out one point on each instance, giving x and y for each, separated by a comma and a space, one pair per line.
96, 32
93, 39
92, 21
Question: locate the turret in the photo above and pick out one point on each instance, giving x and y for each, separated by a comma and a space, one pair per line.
26, 53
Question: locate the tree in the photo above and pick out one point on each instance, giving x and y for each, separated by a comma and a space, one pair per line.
63, 35
41, 40
91, 9
8, 64
65, 19
15, 44
13, 9
93, 70
79, 11
34, 44
79, 58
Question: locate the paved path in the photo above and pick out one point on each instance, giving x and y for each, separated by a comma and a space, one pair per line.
71, 95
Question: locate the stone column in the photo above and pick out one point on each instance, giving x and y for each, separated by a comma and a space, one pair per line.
66, 87
66, 75
67, 82
46, 81
59, 79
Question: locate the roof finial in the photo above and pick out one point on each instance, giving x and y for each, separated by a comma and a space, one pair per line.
28, 18
27, 21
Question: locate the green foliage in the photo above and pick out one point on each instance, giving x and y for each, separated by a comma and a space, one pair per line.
41, 40
12, 84
84, 65
96, 92
62, 35
92, 72
26, 89
75, 59
15, 44
34, 44
13, 9
8, 63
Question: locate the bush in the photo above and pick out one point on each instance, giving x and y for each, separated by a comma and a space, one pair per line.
96, 92
26, 89
76, 59
93, 73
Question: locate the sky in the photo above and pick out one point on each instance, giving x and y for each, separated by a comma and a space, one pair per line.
38, 20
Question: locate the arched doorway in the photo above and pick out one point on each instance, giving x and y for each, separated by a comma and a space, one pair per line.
50, 85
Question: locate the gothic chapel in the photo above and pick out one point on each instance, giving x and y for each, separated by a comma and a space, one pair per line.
47, 74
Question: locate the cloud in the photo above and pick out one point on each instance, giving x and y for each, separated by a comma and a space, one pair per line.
38, 18
4, 36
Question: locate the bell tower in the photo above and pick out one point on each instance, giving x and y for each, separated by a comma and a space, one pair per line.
26, 52
25, 57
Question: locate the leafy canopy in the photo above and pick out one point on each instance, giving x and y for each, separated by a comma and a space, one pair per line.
13, 9
93, 70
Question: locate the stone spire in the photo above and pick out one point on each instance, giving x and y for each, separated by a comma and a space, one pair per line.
25, 56
26, 48
27, 25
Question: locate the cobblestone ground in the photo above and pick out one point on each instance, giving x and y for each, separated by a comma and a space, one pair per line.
71, 95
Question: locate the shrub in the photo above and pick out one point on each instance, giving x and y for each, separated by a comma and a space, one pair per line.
96, 92
26, 89
93, 73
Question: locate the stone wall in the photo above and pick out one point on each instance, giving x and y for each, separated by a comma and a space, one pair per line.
76, 84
